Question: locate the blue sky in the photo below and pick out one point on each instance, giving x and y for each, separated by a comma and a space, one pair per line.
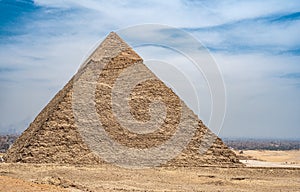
255, 43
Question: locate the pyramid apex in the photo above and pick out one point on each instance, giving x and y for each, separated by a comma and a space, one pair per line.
114, 40
112, 33
111, 46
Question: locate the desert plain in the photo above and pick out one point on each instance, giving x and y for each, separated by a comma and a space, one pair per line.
265, 171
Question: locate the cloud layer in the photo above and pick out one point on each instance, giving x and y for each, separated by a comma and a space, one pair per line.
255, 43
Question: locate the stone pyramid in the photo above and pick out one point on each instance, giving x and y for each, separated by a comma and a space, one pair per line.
60, 134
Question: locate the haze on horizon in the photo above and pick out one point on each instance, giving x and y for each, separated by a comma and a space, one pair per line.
255, 43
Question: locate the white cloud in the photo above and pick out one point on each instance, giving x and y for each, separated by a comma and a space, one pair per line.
260, 104
59, 35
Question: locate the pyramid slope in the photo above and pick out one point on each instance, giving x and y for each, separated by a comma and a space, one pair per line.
53, 136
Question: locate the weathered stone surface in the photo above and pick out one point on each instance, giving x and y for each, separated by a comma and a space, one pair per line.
53, 136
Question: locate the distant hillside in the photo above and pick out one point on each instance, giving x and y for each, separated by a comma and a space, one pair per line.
262, 144
6, 141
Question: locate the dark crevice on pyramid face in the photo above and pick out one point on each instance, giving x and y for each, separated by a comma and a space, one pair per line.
53, 137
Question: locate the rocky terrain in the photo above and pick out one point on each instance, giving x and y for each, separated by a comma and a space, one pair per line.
110, 178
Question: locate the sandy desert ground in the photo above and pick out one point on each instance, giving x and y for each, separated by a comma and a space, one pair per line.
33, 177
265, 158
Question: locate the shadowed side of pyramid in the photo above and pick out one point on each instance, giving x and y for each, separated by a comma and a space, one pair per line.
54, 135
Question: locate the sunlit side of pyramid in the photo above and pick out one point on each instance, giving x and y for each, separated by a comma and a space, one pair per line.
53, 137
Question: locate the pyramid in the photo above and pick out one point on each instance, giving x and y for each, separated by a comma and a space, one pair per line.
82, 128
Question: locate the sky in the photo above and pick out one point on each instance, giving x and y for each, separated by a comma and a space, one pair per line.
255, 43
